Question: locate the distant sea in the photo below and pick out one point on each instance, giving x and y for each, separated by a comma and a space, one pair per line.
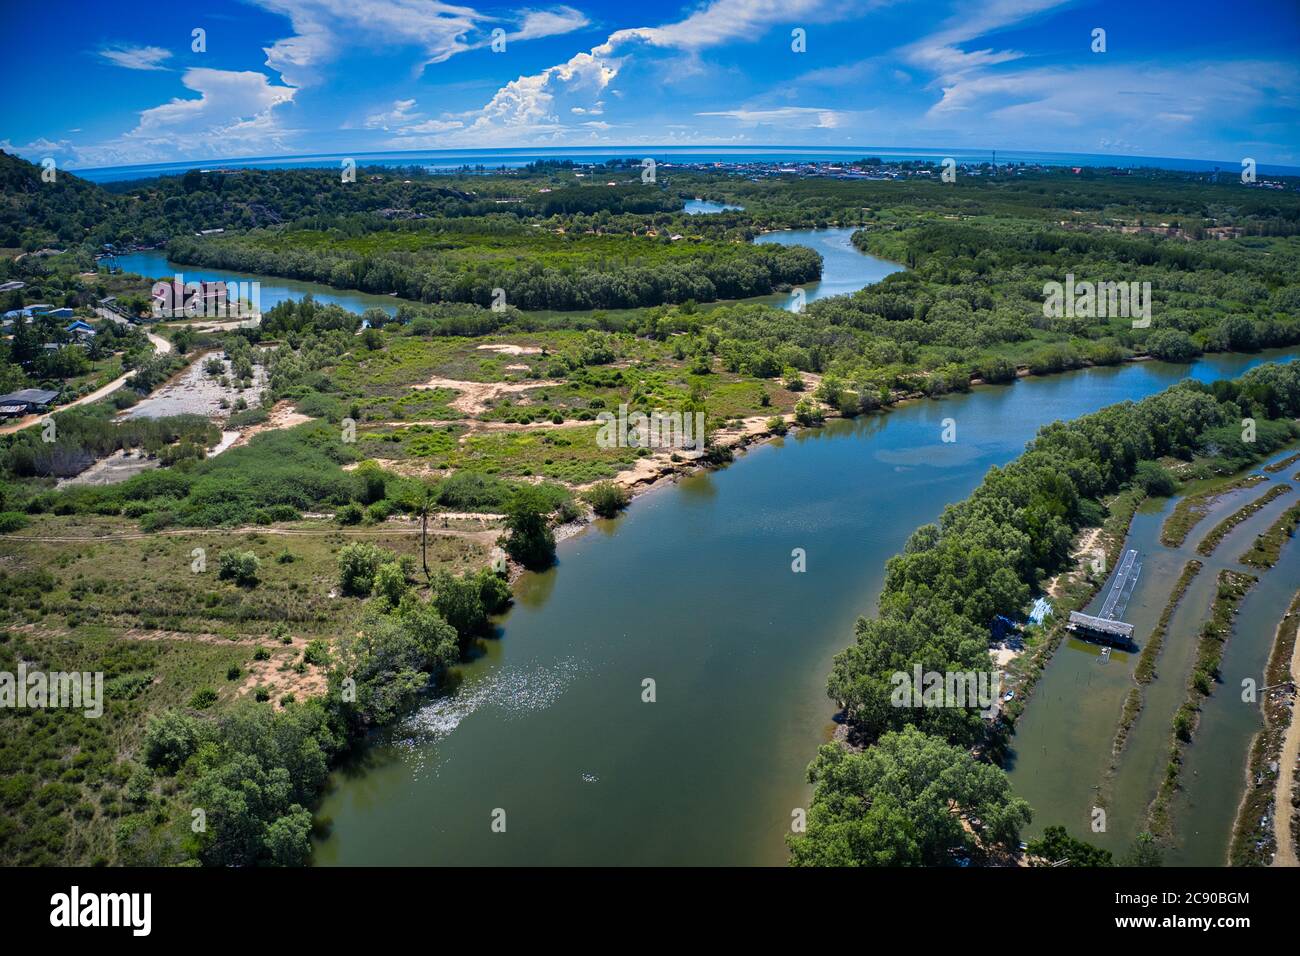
453, 159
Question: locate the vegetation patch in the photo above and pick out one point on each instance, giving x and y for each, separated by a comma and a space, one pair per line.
1268, 546
1219, 531
1233, 586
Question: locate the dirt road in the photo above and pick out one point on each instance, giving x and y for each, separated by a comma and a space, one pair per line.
160, 345
1286, 854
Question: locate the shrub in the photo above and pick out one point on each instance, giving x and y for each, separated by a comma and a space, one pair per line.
1155, 480
317, 652
390, 583
11, 521
173, 736
350, 513
807, 413
240, 567
1172, 345
607, 498
358, 563
203, 698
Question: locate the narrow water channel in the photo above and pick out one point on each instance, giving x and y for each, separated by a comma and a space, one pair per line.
1061, 755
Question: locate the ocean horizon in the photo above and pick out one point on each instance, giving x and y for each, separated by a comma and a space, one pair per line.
516, 157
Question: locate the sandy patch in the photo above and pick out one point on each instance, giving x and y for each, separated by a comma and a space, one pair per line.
195, 392
278, 679
505, 349
1087, 547
118, 466
474, 396
282, 415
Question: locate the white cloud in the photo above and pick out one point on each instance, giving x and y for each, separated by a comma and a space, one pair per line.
136, 57
397, 116
795, 117
537, 24
233, 115
531, 105
723, 21
324, 29
1135, 108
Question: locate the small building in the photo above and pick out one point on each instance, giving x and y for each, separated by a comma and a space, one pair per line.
60, 313
13, 286
26, 402
80, 329
1102, 629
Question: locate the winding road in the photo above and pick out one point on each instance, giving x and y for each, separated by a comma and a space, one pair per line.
160, 346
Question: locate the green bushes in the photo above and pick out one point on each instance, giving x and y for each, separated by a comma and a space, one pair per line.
349, 514
358, 563
529, 539
203, 698
390, 582
12, 521
606, 498
1172, 345
317, 653
1154, 479
466, 602
240, 567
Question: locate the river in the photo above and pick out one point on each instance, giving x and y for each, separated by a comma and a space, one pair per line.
844, 269
154, 264
692, 588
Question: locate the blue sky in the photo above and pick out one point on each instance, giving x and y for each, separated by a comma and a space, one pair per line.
120, 83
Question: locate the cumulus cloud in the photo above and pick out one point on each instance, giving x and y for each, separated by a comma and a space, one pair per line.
532, 105
324, 29
234, 114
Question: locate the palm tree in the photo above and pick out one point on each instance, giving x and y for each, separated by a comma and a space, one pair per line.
424, 504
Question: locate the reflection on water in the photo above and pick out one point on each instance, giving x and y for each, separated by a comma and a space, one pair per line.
153, 264
845, 268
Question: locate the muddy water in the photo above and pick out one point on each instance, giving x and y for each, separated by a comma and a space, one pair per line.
1062, 748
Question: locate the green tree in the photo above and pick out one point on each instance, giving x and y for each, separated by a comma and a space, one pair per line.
891, 805
529, 539
358, 563
390, 583
1055, 846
